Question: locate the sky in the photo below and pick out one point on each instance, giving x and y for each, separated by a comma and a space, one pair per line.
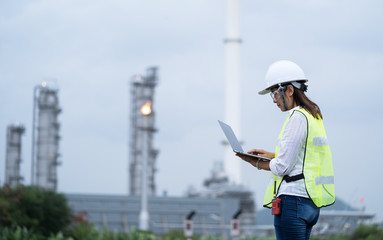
91, 49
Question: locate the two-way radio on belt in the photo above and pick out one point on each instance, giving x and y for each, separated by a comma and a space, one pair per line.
276, 202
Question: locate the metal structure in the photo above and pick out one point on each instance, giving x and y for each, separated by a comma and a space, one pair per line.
232, 86
332, 222
45, 146
120, 212
13, 156
217, 185
142, 129
213, 215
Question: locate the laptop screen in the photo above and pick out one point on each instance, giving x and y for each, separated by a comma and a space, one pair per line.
231, 137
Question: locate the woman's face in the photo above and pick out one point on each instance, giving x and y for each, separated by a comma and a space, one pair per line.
276, 96
277, 99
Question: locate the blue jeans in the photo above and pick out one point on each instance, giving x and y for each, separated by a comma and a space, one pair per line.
298, 216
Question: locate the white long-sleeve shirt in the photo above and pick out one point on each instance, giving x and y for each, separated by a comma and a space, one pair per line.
291, 154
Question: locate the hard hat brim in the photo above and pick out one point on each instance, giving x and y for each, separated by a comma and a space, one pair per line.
268, 89
264, 91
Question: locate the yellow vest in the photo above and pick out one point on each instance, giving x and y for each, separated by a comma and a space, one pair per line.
317, 165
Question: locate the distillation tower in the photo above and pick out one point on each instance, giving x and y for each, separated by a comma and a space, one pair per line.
13, 155
45, 137
142, 92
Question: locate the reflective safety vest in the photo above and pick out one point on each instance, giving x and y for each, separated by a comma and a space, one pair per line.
317, 170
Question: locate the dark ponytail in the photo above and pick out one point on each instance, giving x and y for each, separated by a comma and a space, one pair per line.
302, 100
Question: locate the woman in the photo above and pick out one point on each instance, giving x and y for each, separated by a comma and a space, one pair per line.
301, 166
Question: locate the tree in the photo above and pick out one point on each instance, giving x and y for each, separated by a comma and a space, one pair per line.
40, 210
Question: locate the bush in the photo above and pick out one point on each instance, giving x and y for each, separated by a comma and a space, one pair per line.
372, 232
17, 233
35, 209
86, 231
174, 235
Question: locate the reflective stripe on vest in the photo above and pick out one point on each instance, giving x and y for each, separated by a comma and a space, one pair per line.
317, 165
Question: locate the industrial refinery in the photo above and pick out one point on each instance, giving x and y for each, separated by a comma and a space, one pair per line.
221, 202
222, 206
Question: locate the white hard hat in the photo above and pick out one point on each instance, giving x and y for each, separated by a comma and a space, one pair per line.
282, 71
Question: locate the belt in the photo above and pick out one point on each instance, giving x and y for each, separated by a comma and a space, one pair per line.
293, 178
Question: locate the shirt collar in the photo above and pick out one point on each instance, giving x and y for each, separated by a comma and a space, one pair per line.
293, 109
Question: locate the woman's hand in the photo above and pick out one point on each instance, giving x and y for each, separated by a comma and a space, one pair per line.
262, 153
265, 165
248, 159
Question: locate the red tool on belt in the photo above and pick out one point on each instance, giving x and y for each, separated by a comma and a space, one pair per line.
276, 202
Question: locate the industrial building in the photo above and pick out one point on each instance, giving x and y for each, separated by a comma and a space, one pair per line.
213, 215
121, 212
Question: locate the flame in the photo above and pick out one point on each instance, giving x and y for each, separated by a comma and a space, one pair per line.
146, 109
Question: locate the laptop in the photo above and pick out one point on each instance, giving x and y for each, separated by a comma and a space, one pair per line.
235, 145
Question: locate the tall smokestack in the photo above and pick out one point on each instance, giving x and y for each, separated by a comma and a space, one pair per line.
232, 86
